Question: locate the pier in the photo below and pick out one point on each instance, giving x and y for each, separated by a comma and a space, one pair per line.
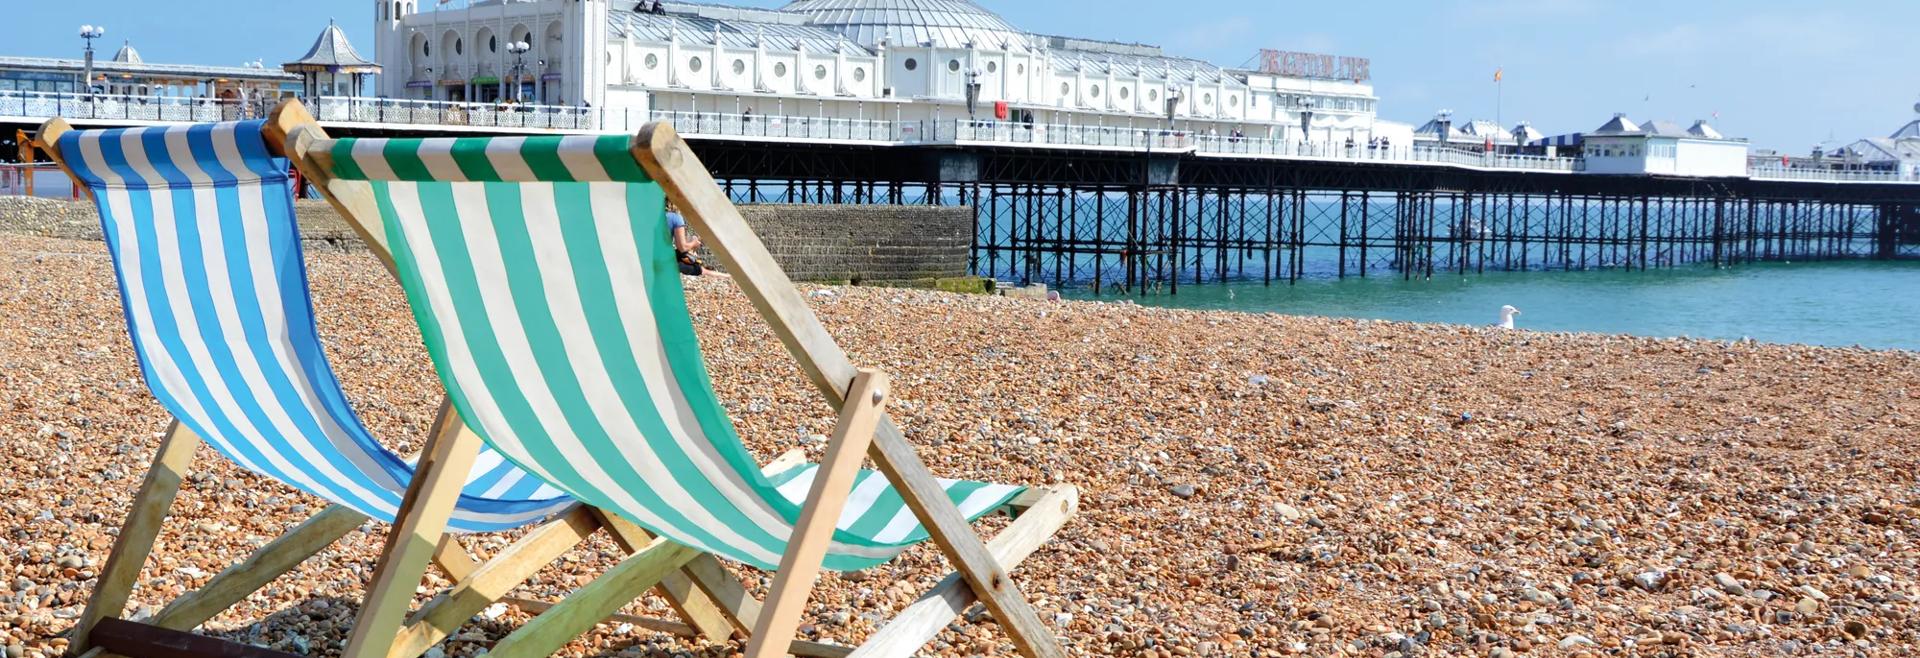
1147, 210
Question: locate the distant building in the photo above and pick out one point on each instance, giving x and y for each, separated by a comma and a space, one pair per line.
911, 60
1621, 146
1896, 153
1472, 134
128, 74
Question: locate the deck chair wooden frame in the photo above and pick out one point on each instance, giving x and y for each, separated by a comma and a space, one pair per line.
862, 431
448, 456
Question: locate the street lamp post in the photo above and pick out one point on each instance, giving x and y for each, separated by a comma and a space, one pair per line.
1306, 121
1173, 105
90, 32
973, 92
519, 50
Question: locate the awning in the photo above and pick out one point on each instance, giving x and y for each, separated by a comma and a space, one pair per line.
1560, 141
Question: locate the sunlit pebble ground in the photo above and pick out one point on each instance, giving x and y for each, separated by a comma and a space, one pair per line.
1251, 484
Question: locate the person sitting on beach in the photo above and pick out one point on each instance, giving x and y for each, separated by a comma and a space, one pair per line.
684, 244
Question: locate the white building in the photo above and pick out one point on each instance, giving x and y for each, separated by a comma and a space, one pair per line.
911, 60
1659, 147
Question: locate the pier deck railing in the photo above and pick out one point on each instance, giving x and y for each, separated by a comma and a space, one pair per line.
1829, 175
554, 118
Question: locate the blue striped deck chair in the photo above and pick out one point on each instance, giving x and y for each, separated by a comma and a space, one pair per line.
199, 223
541, 273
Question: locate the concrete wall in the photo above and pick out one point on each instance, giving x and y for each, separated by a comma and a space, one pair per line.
873, 245
870, 245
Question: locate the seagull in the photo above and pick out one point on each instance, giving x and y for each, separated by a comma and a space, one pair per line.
1506, 316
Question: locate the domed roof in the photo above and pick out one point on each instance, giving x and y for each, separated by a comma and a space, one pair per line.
127, 54
938, 23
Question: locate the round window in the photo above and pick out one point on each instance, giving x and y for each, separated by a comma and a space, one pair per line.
1153, 94
912, 64
739, 66
653, 61
1206, 99
820, 72
1020, 69
1094, 90
1123, 93
780, 70
694, 65
1066, 89
859, 74
953, 65
993, 67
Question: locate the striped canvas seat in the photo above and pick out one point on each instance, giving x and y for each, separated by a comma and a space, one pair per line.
543, 278
199, 221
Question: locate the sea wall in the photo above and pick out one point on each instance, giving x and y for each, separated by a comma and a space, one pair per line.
867, 245
872, 245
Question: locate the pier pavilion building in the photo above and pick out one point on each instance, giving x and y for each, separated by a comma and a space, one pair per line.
899, 60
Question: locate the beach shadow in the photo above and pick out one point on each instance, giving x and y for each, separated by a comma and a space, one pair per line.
319, 627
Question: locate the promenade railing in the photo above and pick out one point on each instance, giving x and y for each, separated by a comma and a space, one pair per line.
1830, 175
126, 108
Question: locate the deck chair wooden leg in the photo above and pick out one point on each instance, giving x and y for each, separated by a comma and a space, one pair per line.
492, 581
594, 602
442, 471
955, 537
780, 617
130, 550
909, 631
266, 563
452, 559
689, 600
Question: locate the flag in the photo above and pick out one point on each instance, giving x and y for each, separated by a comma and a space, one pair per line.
1499, 73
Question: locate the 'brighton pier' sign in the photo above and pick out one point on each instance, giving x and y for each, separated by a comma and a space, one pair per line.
1314, 65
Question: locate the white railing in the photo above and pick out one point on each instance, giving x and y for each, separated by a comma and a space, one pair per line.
770, 127
1007, 132
443, 113
37, 104
1829, 175
968, 130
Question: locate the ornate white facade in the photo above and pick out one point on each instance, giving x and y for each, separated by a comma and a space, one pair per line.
907, 60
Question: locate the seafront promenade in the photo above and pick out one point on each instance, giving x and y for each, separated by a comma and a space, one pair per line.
1252, 484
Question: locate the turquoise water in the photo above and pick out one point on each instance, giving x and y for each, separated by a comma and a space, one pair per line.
1868, 303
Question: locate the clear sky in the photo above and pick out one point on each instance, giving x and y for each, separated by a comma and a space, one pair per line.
1785, 73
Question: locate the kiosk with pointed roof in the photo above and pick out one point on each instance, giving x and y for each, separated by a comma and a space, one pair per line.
332, 67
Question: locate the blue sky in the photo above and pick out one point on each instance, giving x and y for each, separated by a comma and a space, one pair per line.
1785, 73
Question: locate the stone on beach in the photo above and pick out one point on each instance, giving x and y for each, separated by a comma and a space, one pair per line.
1340, 507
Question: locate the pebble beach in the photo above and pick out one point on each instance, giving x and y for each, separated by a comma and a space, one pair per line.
1251, 484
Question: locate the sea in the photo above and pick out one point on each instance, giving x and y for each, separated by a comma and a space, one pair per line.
1866, 303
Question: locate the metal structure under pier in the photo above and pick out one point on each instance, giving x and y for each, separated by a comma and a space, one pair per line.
1151, 223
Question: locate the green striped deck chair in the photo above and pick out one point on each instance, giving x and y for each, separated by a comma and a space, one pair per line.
542, 275
199, 222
